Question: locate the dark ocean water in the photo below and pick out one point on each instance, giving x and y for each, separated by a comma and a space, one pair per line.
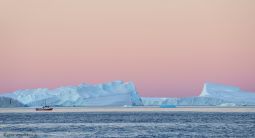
128, 124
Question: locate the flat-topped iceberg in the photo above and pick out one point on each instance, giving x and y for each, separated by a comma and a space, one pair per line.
188, 101
116, 93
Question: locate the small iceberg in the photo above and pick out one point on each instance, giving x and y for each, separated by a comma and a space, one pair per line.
167, 106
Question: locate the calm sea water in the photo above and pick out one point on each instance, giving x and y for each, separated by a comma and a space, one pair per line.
128, 124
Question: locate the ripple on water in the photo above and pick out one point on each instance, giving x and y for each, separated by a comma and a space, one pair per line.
129, 124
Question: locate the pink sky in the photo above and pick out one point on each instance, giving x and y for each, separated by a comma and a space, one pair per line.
167, 48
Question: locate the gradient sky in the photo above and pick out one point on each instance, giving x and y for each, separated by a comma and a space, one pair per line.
166, 47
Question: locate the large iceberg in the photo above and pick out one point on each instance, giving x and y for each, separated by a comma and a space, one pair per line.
116, 93
211, 95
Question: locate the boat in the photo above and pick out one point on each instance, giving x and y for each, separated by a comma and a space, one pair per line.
44, 108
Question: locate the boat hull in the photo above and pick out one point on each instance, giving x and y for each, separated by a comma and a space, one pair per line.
41, 109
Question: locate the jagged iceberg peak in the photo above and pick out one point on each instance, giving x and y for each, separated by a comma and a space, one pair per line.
111, 93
